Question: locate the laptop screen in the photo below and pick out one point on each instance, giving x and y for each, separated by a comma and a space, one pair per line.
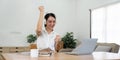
87, 46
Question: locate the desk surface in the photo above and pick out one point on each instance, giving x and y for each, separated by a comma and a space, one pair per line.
63, 56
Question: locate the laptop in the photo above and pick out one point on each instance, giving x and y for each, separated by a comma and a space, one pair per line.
86, 47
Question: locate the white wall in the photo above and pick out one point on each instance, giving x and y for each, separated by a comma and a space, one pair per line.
18, 18
83, 15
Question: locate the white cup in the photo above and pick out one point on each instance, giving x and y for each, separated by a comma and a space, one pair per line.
34, 52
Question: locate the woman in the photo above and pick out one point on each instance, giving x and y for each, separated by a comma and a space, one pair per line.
47, 38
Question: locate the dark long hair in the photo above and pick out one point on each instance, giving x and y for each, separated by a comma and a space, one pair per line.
48, 15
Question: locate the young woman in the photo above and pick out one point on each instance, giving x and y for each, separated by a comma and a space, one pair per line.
47, 37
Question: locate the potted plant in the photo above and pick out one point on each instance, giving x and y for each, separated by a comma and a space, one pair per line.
31, 38
69, 41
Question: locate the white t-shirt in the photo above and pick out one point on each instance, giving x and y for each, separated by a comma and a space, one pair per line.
46, 40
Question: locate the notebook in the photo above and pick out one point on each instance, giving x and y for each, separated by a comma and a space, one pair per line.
86, 47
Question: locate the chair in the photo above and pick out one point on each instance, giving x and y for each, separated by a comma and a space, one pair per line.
114, 47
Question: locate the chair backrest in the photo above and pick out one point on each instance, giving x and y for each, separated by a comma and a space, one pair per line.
114, 47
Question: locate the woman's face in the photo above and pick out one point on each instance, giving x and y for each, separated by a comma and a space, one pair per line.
50, 23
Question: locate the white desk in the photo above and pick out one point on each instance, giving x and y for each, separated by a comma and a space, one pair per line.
63, 56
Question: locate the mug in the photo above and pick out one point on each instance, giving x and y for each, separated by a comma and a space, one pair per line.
34, 52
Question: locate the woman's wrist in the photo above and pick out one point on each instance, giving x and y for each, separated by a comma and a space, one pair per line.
41, 12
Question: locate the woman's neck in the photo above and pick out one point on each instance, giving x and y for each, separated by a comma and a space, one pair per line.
49, 30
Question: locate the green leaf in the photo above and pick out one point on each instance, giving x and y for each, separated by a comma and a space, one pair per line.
31, 38
69, 41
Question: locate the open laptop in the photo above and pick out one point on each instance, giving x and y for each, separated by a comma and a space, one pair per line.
86, 47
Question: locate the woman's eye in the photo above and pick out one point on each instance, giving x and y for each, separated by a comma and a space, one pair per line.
50, 21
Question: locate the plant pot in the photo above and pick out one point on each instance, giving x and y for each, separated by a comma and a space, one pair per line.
33, 46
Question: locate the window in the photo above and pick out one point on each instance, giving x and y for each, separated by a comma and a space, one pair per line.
105, 23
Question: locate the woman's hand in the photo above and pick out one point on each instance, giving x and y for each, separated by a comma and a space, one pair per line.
58, 38
57, 43
41, 8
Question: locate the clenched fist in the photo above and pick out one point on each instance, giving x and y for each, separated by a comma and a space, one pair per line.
41, 8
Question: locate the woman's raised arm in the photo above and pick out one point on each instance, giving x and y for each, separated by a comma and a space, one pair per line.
40, 21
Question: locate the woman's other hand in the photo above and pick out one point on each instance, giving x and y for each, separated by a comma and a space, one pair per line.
58, 38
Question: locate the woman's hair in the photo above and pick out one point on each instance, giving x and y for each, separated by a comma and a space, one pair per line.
48, 15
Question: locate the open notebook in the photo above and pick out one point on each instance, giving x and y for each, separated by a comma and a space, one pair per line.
87, 46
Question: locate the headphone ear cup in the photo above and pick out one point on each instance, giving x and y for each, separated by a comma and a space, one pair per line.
44, 21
